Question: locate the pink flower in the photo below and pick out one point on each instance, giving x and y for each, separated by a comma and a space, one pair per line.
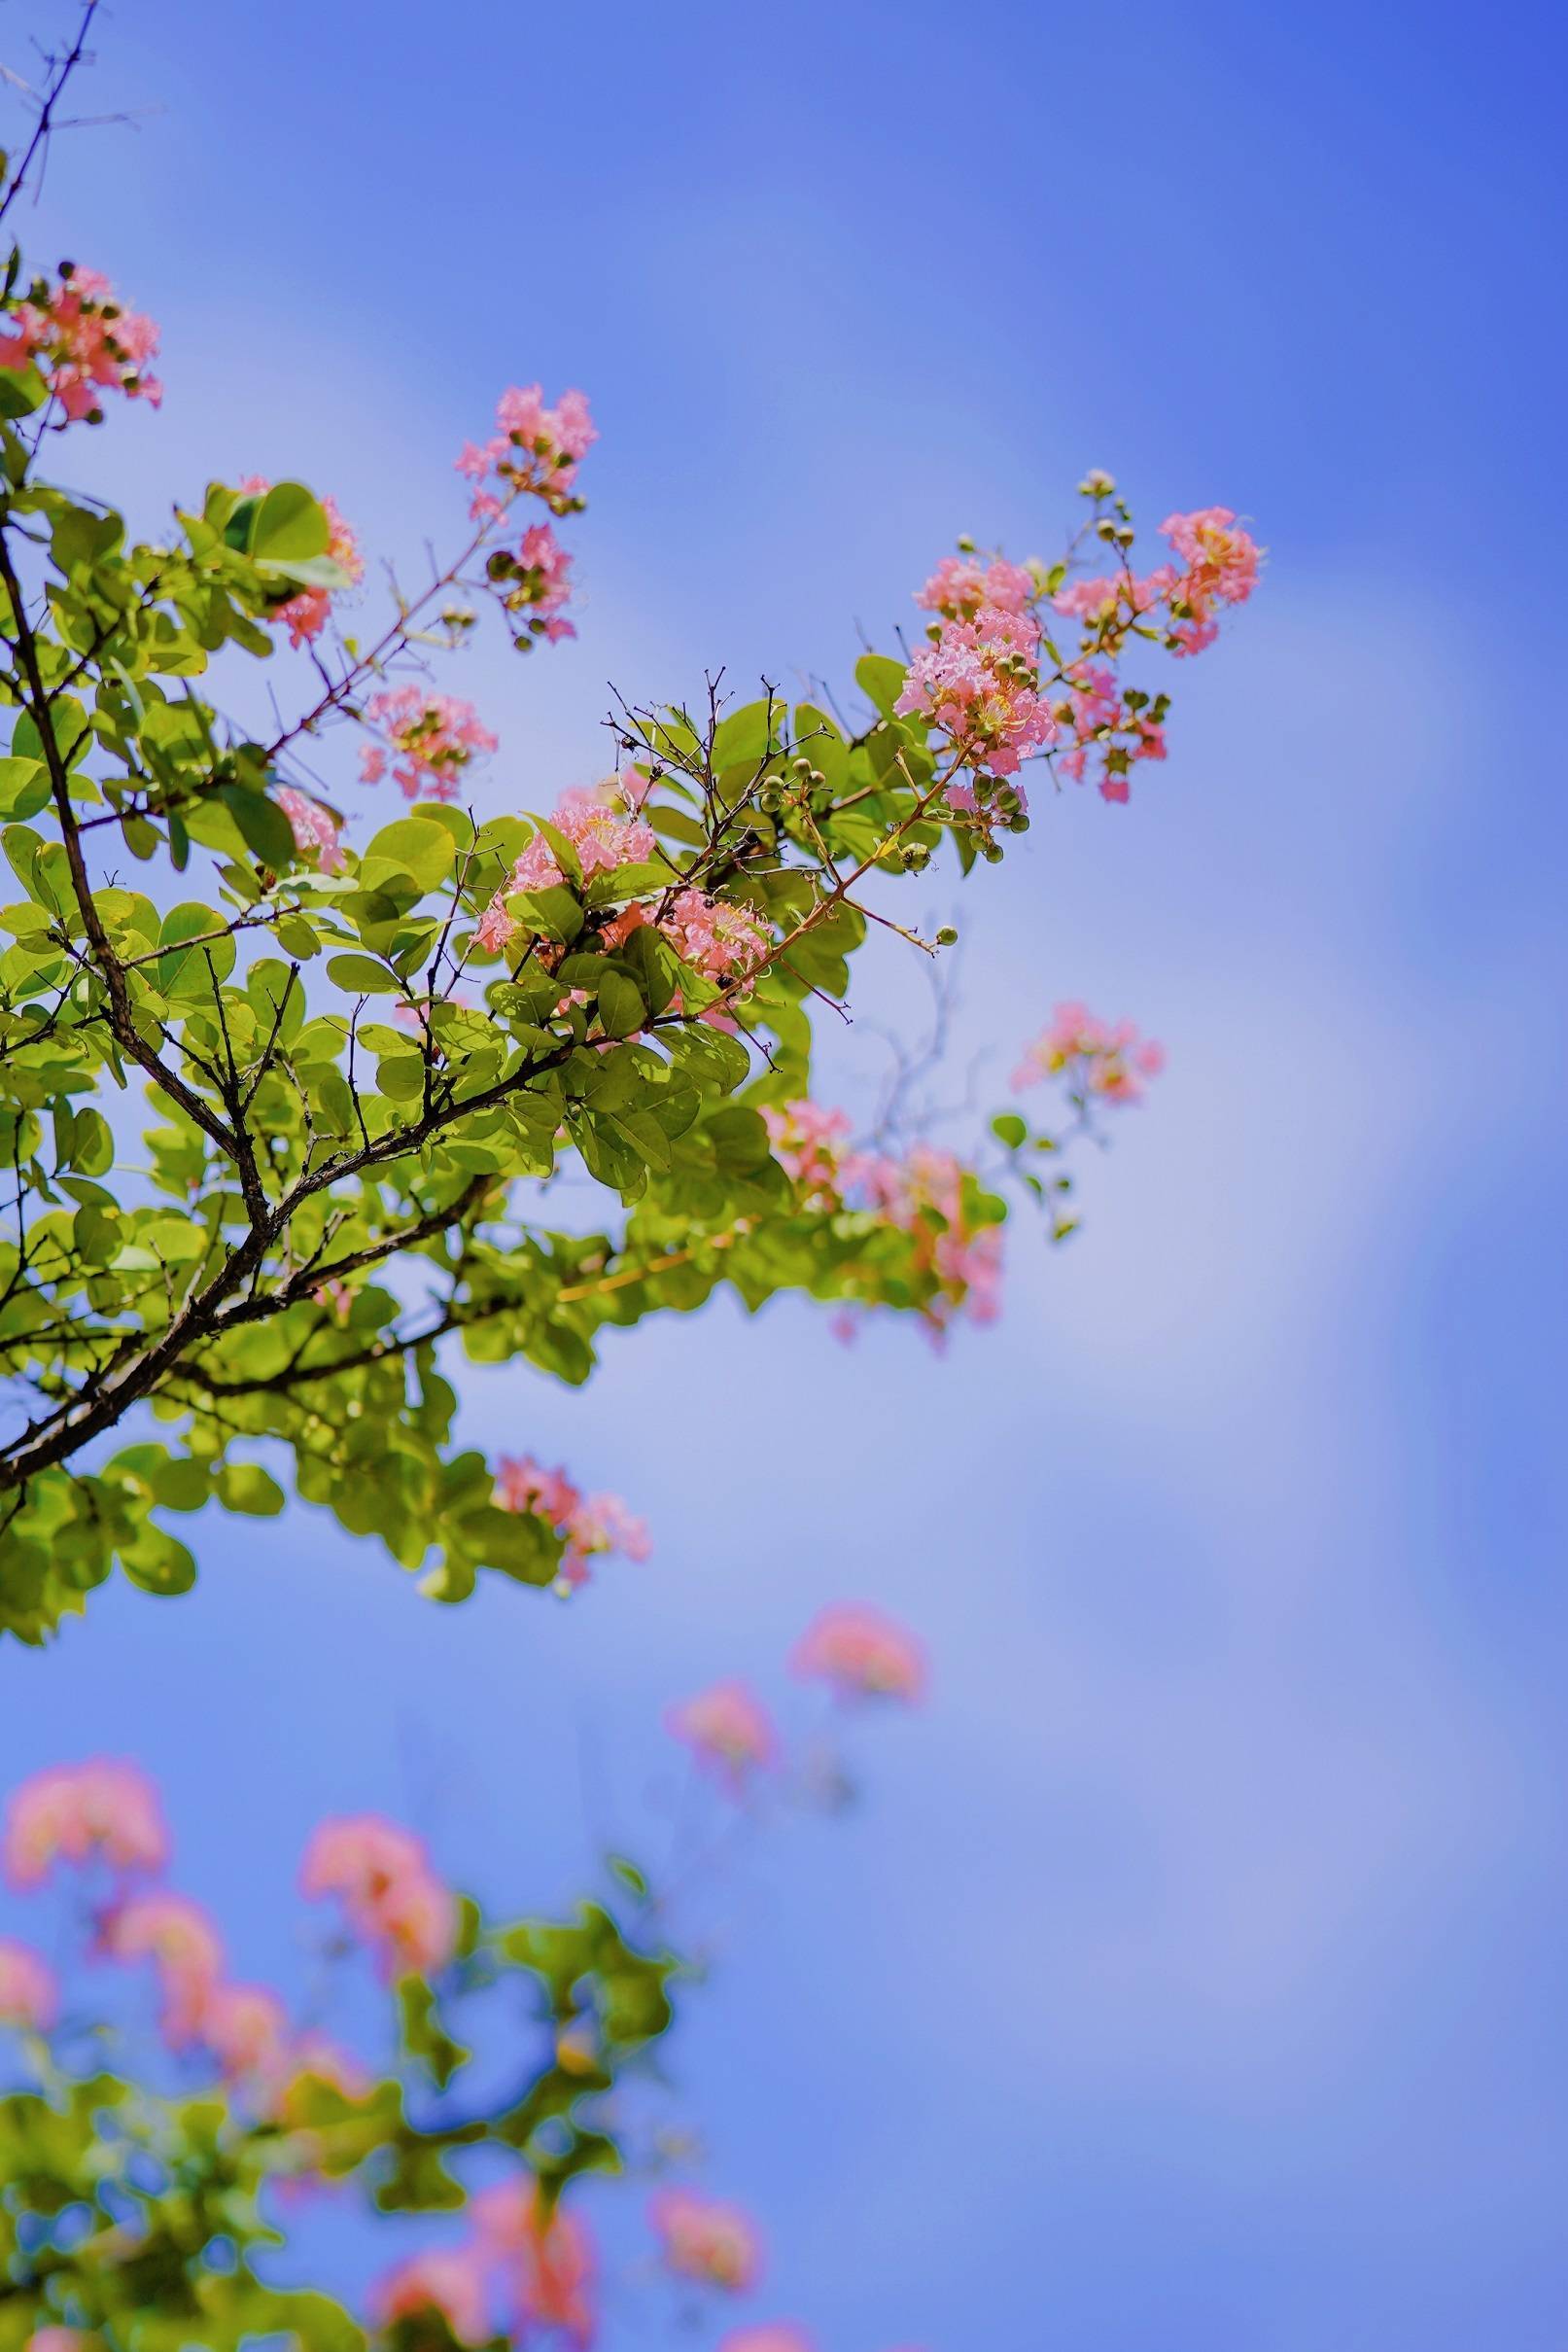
863, 1654
1102, 1058
588, 1525
75, 1812
979, 683
183, 1944
535, 450
703, 2239
605, 838
315, 830
449, 2284
56, 2340
83, 343
716, 937
961, 583
775, 2338
539, 585
545, 2266
1221, 559
727, 1729
393, 1899
808, 1145
602, 837
246, 2029
29, 1994
431, 737
927, 1195
1115, 732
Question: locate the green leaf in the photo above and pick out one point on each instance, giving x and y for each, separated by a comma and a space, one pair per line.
24, 787
621, 1010
881, 681
157, 1562
423, 850
244, 1485
362, 975
264, 828
287, 525
1009, 1129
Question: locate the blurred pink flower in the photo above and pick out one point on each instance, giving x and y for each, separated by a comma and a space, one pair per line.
863, 1654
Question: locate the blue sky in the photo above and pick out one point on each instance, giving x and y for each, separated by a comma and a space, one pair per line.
1192, 1975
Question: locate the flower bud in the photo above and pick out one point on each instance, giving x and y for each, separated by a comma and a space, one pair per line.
947, 936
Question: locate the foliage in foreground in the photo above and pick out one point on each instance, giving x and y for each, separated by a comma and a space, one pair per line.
148, 2182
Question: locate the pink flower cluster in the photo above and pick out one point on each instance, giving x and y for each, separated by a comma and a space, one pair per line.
305, 615
539, 583
724, 941
519, 2269
1218, 565
587, 1524
29, 1995
535, 449
314, 828
1103, 1058
1112, 729
924, 1194
109, 1813
857, 1650
393, 1899
727, 1729
430, 738
605, 835
78, 1813
83, 343
979, 683
702, 2239
861, 1653
810, 1143
961, 584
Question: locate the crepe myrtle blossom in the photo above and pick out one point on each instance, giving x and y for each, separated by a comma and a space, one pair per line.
99, 1811
177, 1935
777, 2338
861, 1653
314, 828
29, 1994
700, 2238
57, 2340
305, 615
1219, 564
810, 1143
449, 2284
1221, 560
713, 936
394, 1901
587, 1524
83, 342
1111, 729
246, 2028
602, 826
979, 683
430, 739
961, 584
542, 2264
534, 449
1103, 1058
930, 1195
726, 1729
533, 583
